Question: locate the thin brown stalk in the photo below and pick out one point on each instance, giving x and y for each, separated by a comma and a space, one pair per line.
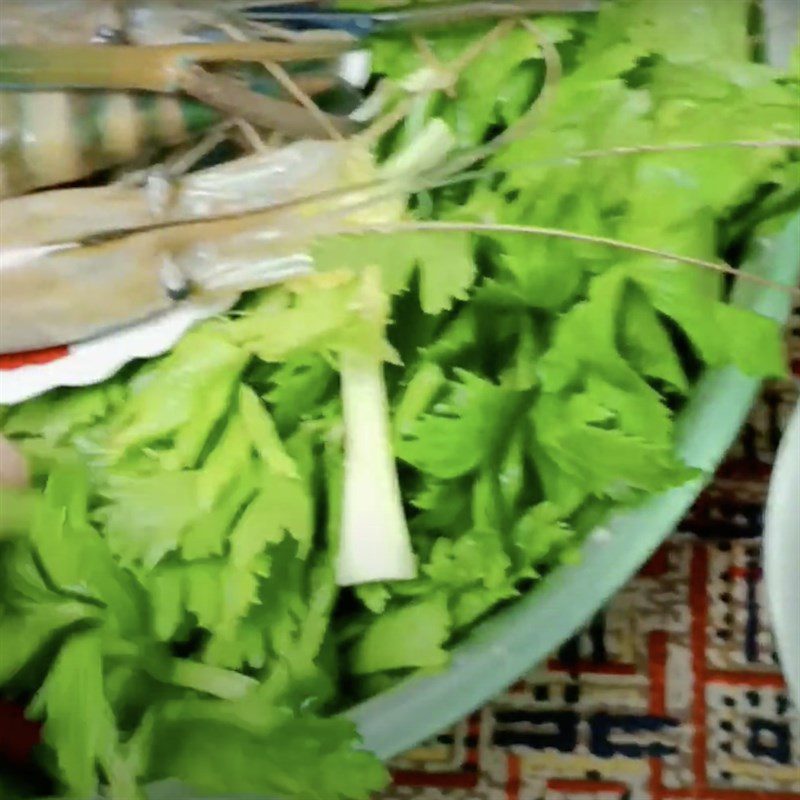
479, 47
230, 96
180, 163
294, 89
430, 58
553, 68
385, 123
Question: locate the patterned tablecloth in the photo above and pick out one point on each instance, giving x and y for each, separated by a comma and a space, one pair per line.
672, 692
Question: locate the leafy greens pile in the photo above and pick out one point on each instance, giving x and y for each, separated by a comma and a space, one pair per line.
173, 610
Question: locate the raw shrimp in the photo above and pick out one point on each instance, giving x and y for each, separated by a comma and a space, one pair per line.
67, 274
91, 84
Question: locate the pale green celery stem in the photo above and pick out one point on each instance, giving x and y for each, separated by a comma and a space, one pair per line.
427, 150
218, 682
125, 763
122, 783
374, 543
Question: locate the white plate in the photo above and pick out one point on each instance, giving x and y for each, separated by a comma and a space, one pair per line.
782, 553
26, 375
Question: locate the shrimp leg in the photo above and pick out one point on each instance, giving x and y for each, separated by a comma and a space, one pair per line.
153, 68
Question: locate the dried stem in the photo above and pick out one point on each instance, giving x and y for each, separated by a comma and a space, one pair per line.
231, 97
291, 86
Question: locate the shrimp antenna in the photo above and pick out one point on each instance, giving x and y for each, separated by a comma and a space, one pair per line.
347, 229
560, 233
426, 180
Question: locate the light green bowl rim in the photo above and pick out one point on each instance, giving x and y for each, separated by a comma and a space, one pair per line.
520, 636
524, 634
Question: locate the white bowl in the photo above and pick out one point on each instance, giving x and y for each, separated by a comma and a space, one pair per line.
782, 553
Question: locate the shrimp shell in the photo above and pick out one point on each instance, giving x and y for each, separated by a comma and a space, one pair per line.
58, 287
48, 138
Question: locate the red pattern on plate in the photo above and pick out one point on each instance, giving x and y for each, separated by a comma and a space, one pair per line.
10, 361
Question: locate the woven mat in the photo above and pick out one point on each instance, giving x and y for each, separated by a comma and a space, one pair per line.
672, 692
